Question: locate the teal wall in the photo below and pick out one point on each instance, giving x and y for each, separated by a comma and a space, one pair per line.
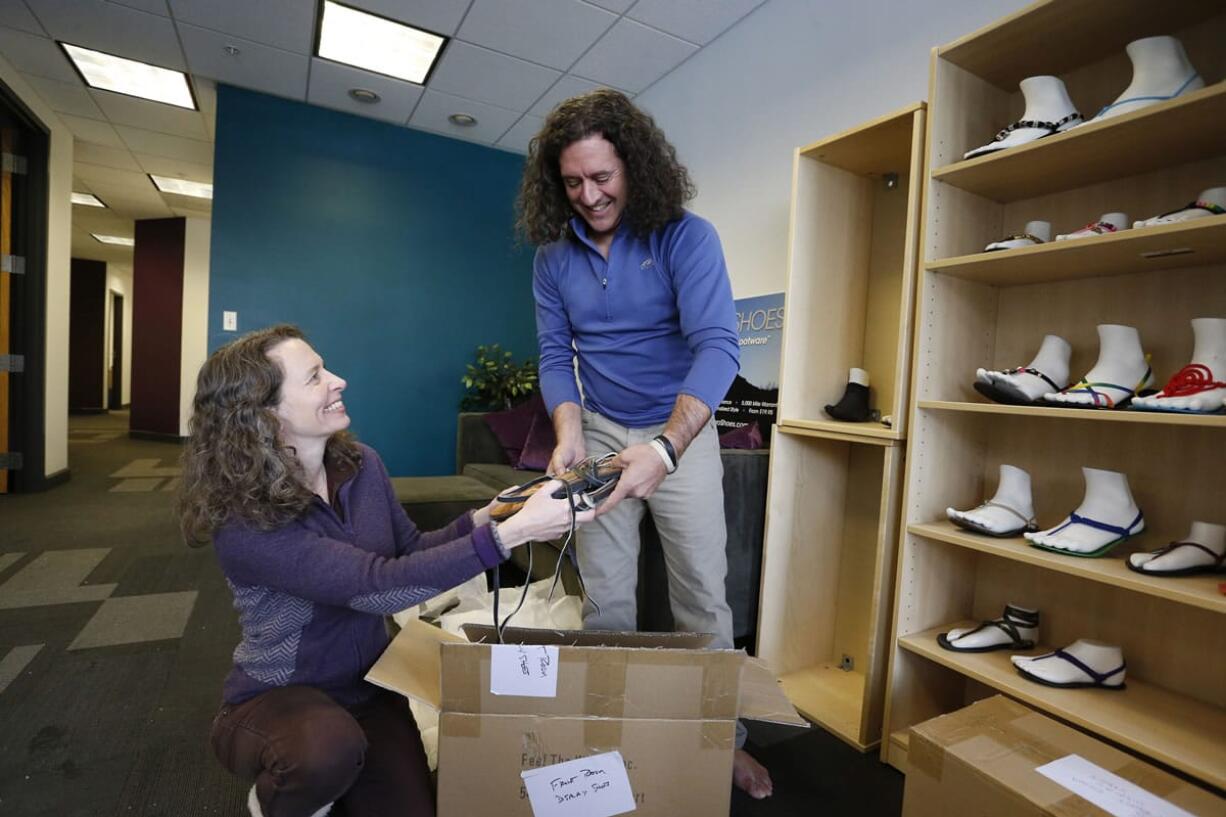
393, 249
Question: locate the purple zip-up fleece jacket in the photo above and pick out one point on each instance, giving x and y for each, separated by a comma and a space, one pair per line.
311, 595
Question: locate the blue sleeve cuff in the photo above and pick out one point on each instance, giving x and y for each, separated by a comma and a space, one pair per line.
486, 548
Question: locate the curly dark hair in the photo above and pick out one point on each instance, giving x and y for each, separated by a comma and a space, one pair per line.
658, 185
234, 463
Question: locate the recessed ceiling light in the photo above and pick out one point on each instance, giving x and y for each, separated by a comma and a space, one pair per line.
115, 239
182, 187
376, 43
464, 120
364, 95
107, 72
88, 199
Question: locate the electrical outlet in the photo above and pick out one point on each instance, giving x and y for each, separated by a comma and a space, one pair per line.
229, 321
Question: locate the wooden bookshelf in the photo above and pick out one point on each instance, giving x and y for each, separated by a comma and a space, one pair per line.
1151, 418
830, 697
870, 433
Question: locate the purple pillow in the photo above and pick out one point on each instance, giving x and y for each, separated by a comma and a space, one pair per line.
511, 427
538, 448
747, 436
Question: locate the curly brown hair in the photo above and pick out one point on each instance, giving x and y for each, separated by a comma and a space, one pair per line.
234, 463
658, 185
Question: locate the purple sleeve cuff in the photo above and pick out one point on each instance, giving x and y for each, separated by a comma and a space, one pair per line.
486, 548
464, 524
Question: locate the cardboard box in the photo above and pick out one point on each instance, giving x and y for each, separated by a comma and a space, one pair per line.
981, 761
668, 705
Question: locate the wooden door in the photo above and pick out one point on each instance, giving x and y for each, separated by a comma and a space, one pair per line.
8, 146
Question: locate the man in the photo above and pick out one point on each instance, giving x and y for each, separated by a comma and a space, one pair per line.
634, 288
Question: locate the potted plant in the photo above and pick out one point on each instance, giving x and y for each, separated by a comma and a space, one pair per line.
495, 382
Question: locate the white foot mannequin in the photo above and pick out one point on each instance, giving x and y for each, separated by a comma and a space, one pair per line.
1161, 70
1036, 232
1009, 512
1016, 629
1107, 516
1211, 202
1022, 386
1199, 387
1121, 372
1048, 110
1083, 663
1108, 223
1203, 550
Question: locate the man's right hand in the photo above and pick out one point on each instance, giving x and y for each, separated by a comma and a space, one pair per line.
566, 454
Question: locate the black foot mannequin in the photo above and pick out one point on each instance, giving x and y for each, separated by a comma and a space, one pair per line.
853, 406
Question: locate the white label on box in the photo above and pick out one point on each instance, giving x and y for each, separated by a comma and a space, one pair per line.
595, 786
524, 669
1110, 792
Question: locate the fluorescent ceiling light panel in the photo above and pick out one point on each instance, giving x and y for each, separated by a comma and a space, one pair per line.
123, 76
115, 239
377, 44
182, 187
88, 199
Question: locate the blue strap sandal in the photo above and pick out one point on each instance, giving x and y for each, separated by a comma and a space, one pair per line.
1130, 100
1098, 679
1136, 526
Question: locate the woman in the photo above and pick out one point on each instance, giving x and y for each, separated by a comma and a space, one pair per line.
317, 551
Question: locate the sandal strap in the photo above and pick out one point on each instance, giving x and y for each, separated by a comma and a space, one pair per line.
1036, 373
1178, 91
1003, 624
1029, 618
1050, 127
1099, 677
1098, 227
1089, 388
1029, 521
1077, 519
1020, 236
1199, 204
1191, 379
1218, 558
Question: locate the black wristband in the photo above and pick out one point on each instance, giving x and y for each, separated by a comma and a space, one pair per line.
668, 448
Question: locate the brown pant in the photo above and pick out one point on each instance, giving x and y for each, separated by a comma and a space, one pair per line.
304, 751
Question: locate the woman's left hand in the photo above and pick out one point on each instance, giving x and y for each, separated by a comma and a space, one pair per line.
481, 516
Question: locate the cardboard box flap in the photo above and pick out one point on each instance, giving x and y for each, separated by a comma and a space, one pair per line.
762, 697
412, 663
484, 634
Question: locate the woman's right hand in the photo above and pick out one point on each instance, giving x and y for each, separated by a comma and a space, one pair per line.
541, 519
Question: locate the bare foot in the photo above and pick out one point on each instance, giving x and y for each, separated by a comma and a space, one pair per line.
750, 776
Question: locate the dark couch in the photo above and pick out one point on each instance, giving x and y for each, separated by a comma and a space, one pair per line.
484, 470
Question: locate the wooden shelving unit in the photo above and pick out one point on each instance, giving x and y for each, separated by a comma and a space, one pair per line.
832, 506
991, 310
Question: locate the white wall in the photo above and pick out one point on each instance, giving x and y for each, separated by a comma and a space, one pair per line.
195, 339
119, 280
59, 275
793, 72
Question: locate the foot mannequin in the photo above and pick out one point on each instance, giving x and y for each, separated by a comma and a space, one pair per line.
1211, 202
1203, 550
1199, 387
1036, 232
1108, 223
1048, 110
1016, 629
853, 405
1161, 70
1068, 667
1009, 512
1121, 372
750, 776
1107, 516
1022, 386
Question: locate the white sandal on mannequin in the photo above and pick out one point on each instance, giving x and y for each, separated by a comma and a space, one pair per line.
1048, 110
1106, 516
1025, 385
1036, 232
1008, 513
1083, 663
1016, 629
1108, 223
1211, 202
1202, 551
1161, 70
1120, 374
1199, 387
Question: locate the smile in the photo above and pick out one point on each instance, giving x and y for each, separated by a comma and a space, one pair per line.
337, 406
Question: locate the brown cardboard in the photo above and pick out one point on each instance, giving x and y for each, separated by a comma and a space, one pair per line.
980, 762
668, 706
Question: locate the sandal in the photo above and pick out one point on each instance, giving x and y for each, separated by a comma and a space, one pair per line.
1102, 400
1029, 525
1093, 228
1077, 519
1012, 242
1009, 394
1216, 566
1195, 76
588, 483
1009, 624
1097, 679
1051, 128
1191, 379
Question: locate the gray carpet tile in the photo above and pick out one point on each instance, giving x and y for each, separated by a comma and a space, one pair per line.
15, 661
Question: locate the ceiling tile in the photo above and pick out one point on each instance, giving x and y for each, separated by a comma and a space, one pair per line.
65, 97
16, 15
487, 76
136, 203
565, 88
551, 32
699, 21
330, 84
440, 16
141, 113
153, 143
617, 6
176, 168
187, 212
174, 202
521, 133
92, 154
655, 54
92, 130
258, 67
97, 220
115, 29
285, 24
434, 108
151, 6
36, 55
206, 98
103, 179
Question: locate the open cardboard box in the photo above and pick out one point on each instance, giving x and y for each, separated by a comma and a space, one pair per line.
664, 701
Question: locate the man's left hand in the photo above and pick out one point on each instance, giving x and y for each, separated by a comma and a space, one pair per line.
642, 472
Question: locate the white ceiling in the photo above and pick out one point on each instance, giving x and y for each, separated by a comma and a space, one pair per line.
508, 63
